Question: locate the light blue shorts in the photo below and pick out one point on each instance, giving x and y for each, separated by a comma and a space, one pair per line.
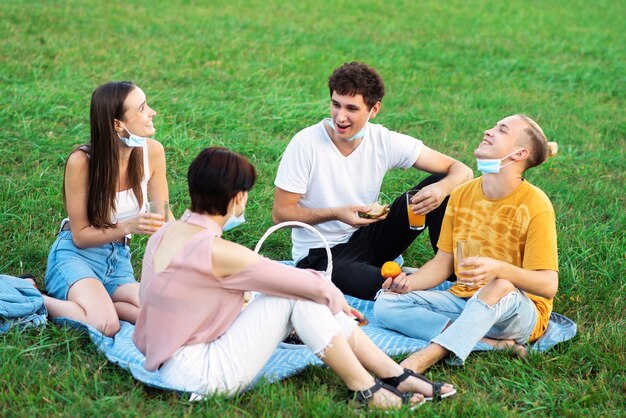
67, 264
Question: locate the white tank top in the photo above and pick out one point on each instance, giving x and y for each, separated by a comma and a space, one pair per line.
126, 203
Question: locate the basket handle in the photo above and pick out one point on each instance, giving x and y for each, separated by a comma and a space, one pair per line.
329, 267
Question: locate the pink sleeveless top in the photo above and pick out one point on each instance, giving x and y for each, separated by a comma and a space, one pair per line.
186, 304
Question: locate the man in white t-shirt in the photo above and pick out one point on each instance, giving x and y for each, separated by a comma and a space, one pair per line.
335, 168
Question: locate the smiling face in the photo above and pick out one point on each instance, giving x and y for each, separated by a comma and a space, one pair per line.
138, 115
350, 114
502, 139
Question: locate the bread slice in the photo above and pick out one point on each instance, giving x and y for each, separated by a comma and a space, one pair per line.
376, 210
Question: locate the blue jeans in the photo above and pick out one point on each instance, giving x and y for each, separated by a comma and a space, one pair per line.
425, 314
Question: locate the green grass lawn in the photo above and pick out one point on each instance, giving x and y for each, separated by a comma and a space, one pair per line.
248, 75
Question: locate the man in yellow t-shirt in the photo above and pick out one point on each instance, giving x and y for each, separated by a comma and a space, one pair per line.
504, 294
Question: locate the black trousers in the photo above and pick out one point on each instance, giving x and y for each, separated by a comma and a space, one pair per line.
356, 263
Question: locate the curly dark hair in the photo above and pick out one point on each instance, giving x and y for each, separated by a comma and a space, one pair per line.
354, 78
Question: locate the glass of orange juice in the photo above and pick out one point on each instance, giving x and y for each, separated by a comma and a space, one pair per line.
465, 249
160, 207
417, 222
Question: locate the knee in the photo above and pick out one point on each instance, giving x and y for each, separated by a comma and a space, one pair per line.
496, 290
107, 322
385, 307
109, 326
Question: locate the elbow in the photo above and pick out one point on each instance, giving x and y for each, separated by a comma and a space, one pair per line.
78, 242
467, 172
552, 286
282, 213
276, 217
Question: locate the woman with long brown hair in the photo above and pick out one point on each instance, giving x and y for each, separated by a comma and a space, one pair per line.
106, 185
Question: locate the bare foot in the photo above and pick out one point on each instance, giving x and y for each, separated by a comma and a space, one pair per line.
517, 349
421, 361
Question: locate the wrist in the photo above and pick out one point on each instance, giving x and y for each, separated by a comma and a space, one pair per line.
503, 271
333, 214
124, 229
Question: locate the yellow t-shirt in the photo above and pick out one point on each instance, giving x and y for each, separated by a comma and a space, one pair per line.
519, 229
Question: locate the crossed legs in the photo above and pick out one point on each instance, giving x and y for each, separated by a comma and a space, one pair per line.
499, 314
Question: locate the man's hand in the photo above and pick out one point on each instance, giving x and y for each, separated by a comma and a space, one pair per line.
428, 198
398, 284
480, 270
348, 215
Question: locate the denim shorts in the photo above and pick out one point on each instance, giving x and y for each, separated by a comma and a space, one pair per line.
67, 264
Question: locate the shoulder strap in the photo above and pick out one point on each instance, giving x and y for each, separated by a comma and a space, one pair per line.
86, 149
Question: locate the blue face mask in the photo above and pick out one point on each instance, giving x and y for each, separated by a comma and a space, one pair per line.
492, 165
132, 140
357, 135
234, 220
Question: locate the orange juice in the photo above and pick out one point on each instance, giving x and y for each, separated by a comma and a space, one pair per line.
416, 221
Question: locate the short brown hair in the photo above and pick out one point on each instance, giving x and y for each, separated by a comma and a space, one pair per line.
215, 176
354, 78
540, 149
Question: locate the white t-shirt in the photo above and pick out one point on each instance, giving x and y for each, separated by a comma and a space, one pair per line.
313, 167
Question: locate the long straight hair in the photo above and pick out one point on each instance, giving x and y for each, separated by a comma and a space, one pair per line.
107, 104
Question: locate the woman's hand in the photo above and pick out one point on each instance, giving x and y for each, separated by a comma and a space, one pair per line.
347, 309
354, 314
144, 223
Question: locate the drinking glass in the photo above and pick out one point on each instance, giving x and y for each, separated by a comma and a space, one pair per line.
417, 222
160, 207
465, 249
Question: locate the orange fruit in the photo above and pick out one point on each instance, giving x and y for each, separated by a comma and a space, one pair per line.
390, 269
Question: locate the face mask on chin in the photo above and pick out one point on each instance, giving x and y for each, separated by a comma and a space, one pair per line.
492, 165
132, 140
234, 221
357, 135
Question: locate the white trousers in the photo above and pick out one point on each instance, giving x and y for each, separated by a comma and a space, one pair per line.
230, 363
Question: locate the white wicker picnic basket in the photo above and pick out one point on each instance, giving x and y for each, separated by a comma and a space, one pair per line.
327, 274
329, 267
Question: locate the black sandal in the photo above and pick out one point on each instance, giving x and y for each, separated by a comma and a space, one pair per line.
363, 396
436, 396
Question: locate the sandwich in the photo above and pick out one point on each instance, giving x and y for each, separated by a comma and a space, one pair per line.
376, 210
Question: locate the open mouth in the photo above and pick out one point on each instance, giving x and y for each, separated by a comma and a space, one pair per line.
341, 127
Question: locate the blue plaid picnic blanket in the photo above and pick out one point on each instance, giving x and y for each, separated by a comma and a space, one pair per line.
289, 359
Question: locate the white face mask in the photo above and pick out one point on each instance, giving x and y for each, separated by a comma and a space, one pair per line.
492, 165
357, 135
132, 140
234, 220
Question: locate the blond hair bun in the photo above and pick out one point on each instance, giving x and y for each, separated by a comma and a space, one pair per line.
553, 148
